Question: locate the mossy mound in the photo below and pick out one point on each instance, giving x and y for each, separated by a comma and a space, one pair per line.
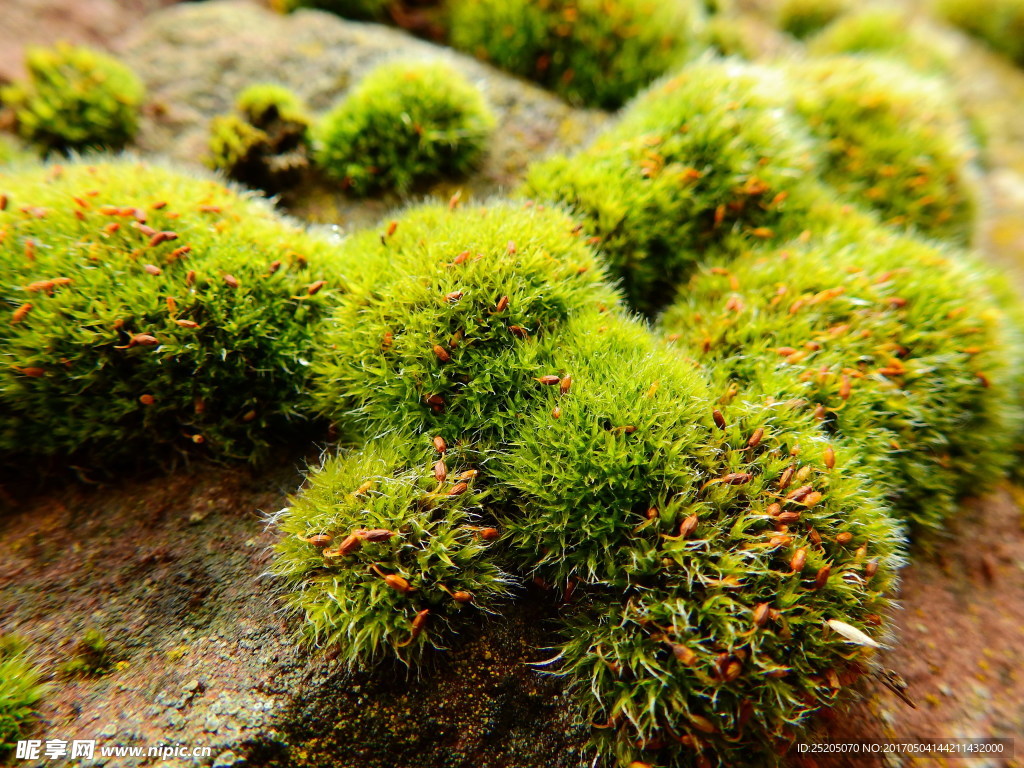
723, 648
264, 143
703, 157
622, 433
893, 141
1000, 23
802, 18
882, 32
502, 395
387, 547
897, 347
706, 544
20, 690
441, 332
406, 123
149, 309
593, 52
75, 98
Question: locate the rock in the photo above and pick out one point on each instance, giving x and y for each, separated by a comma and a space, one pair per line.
195, 57
44, 22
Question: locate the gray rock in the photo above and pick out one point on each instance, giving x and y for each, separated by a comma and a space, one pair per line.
195, 57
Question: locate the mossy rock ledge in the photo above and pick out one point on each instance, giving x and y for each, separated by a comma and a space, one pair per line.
169, 568
207, 658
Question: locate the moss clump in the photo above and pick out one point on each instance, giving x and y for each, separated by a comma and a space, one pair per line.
387, 551
706, 544
705, 551
884, 32
93, 655
1000, 23
349, 9
20, 690
705, 156
892, 141
405, 124
724, 647
264, 103
75, 98
235, 144
441, 332
148, 309
593, 52
743, 37
623, 435
802, 18
264, 144
896, 347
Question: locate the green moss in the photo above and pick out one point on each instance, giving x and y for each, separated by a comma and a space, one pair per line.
593, 52
75, 98
598, 499
885, 32
232, 141
893, 141
11, 151
703, 157
730, 655
626, 433
634, 495
20, 691
148, 309
726, 649
264, 103
743, 37
1000, 23
706, 540
93, 655
406, 123
897, 347
802, 18
382, 512
264, 144
426, 343
349, 9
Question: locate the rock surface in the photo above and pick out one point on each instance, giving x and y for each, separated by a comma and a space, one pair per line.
44, 22
195, 57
